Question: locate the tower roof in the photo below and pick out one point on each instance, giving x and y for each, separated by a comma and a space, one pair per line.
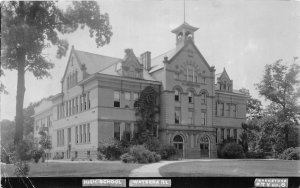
186, 26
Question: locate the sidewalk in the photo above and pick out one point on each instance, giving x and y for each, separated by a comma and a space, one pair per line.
150, 170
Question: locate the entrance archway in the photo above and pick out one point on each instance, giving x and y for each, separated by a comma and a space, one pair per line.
178, 143
204, 147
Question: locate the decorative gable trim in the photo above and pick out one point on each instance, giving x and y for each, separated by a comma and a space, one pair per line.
73, 51
199, 53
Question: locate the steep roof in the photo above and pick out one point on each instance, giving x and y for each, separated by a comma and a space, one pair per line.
112, 70
95, 62
157, 62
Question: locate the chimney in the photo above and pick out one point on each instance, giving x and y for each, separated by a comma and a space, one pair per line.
146, 60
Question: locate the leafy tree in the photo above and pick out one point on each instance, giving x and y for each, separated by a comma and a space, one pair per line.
279, 86
146, 110
29, 27
253, 107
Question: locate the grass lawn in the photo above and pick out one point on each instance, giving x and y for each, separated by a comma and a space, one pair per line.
68, 169
217, 168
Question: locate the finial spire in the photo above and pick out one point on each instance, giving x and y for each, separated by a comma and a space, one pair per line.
183, 11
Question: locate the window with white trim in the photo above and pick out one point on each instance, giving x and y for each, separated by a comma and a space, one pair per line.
116, 99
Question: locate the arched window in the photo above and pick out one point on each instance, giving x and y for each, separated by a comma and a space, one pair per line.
177, 95
190, 97
178, 144
179, 36
177, 138
203, 98
188, 35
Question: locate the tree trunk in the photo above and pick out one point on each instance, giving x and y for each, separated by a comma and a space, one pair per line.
20, 98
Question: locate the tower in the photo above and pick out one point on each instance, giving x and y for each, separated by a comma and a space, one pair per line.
184, 33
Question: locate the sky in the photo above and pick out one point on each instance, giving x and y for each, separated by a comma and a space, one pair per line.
239, 35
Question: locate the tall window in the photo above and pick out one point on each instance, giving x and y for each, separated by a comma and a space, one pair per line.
63, 137
84, 133
117, 131
222, 109
222, 134
88, 100
127, 96
84, 101
135, 98
81, 106
127, 132
234, 110
203, 118
116, 99
76, 101
73, 106
88, 133
235, 134
67, 110
177, 95
70, 107
190, 97
228, 134
57, 108
228, 110
190, 75
57, 137
203, 98
190, 117
177, 116
80, 133
76, 134
216, 110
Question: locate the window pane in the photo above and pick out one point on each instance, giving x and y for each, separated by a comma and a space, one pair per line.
117, 131
127, 96
177, 117
176, 95
190, 97
116, 99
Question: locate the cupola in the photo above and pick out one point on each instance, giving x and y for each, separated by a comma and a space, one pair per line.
184, 33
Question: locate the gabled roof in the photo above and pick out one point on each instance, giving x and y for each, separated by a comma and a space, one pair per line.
223, 74
113, 70
95, 62
185, 25
92, 62
157, 62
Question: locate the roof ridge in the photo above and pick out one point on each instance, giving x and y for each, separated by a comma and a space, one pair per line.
109, 66
164, 53
97, 54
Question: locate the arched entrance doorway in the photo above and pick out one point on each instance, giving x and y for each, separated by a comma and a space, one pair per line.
178, 143
204, 147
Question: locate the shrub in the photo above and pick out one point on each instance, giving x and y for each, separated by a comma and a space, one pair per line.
290, 154
232, 151
167, 152
140, 153
157, 157
128, 158
58, 156
153, 144
100, 156
36, 155
113, 149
